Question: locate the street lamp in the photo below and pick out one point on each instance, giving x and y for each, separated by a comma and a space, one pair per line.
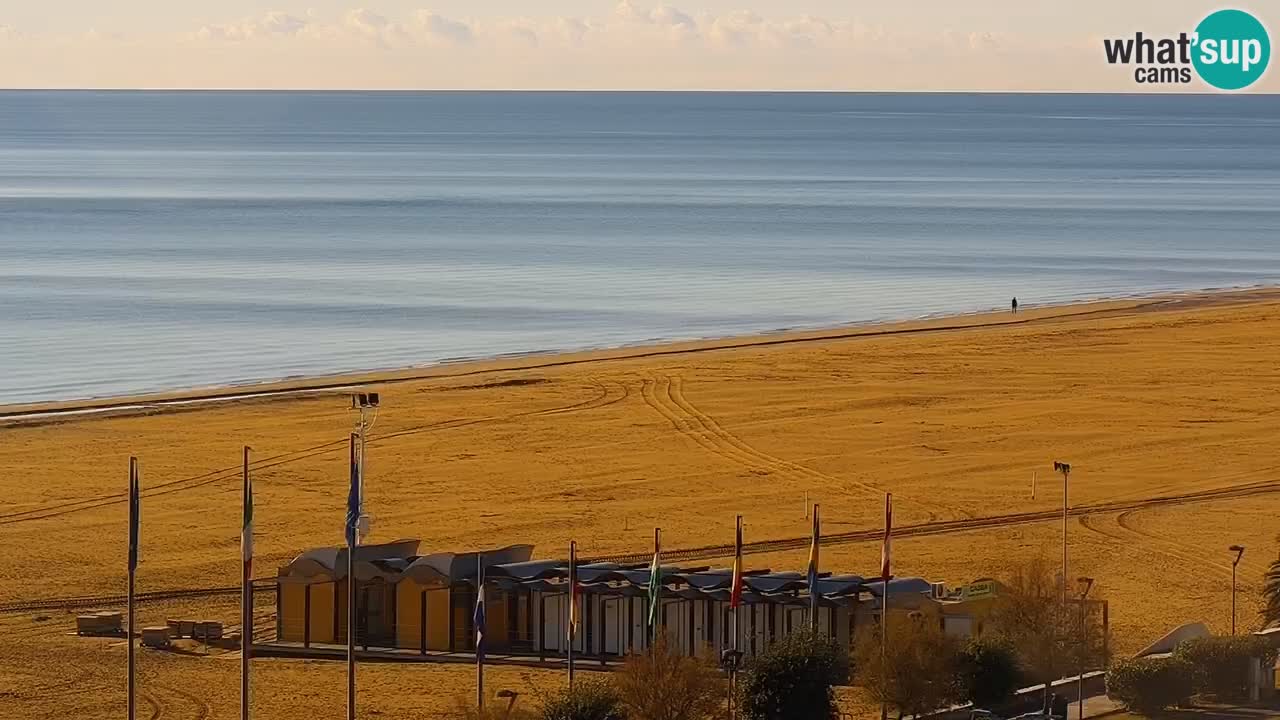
1065, 469
364, 402
1087, 582
1239, 551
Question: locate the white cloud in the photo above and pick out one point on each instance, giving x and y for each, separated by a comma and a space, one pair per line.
570, 30
439, 27
274, 23
736, 28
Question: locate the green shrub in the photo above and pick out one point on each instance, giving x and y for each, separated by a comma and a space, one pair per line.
1222, 663
793, 679
588, 700
1151, 684
987, 672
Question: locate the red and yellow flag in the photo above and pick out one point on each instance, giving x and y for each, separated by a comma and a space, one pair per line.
735, 589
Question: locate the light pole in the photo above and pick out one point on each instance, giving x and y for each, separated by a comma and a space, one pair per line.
364, 402
358, 525
1087, 582
1239, 551
1065, 469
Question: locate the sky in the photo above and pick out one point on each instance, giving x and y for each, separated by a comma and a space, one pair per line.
907, 45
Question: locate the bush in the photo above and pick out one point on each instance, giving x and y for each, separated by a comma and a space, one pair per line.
987, 672
588, 700
1222, 663
666, 685
793, 679
1151, 684
918, 672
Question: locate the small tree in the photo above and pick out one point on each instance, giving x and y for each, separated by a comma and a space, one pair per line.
1222, 663
588, 700
987, 672
918, 673
1047, 634
794, 679
1149, 685
663, 684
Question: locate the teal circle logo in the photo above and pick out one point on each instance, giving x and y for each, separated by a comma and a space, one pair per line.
1231, 49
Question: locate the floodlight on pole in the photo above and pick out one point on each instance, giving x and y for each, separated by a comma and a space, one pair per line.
363, 402
1087, 582
1239, 551
1065, 469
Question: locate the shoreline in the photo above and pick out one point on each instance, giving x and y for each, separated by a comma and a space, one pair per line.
341, 382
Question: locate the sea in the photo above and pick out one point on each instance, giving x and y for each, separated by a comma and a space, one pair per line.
161, 240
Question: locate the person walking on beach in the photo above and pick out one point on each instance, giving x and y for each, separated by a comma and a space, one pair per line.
1015, 306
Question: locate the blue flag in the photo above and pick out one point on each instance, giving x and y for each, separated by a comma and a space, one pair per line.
135, 507
353, 499
479, 622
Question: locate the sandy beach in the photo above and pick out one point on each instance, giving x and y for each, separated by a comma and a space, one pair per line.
1169, 398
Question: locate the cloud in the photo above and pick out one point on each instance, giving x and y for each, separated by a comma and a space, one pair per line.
736, 28
983, 41
569, 30
366, 23
668, 16
274, 23
439, 27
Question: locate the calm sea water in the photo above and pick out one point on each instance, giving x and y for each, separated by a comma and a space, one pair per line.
162, 240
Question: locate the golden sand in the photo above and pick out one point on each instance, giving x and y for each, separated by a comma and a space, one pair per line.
954, 416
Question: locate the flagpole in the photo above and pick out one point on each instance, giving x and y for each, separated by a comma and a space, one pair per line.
735, 599
884, 596
655, 578
353, 506
573, 592
813, 573
480, 632
134, 512
246, 590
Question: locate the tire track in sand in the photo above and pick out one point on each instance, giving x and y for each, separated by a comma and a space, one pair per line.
1197, 556
665, 394
1087, 522
157, 707
609, 393
202, 707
